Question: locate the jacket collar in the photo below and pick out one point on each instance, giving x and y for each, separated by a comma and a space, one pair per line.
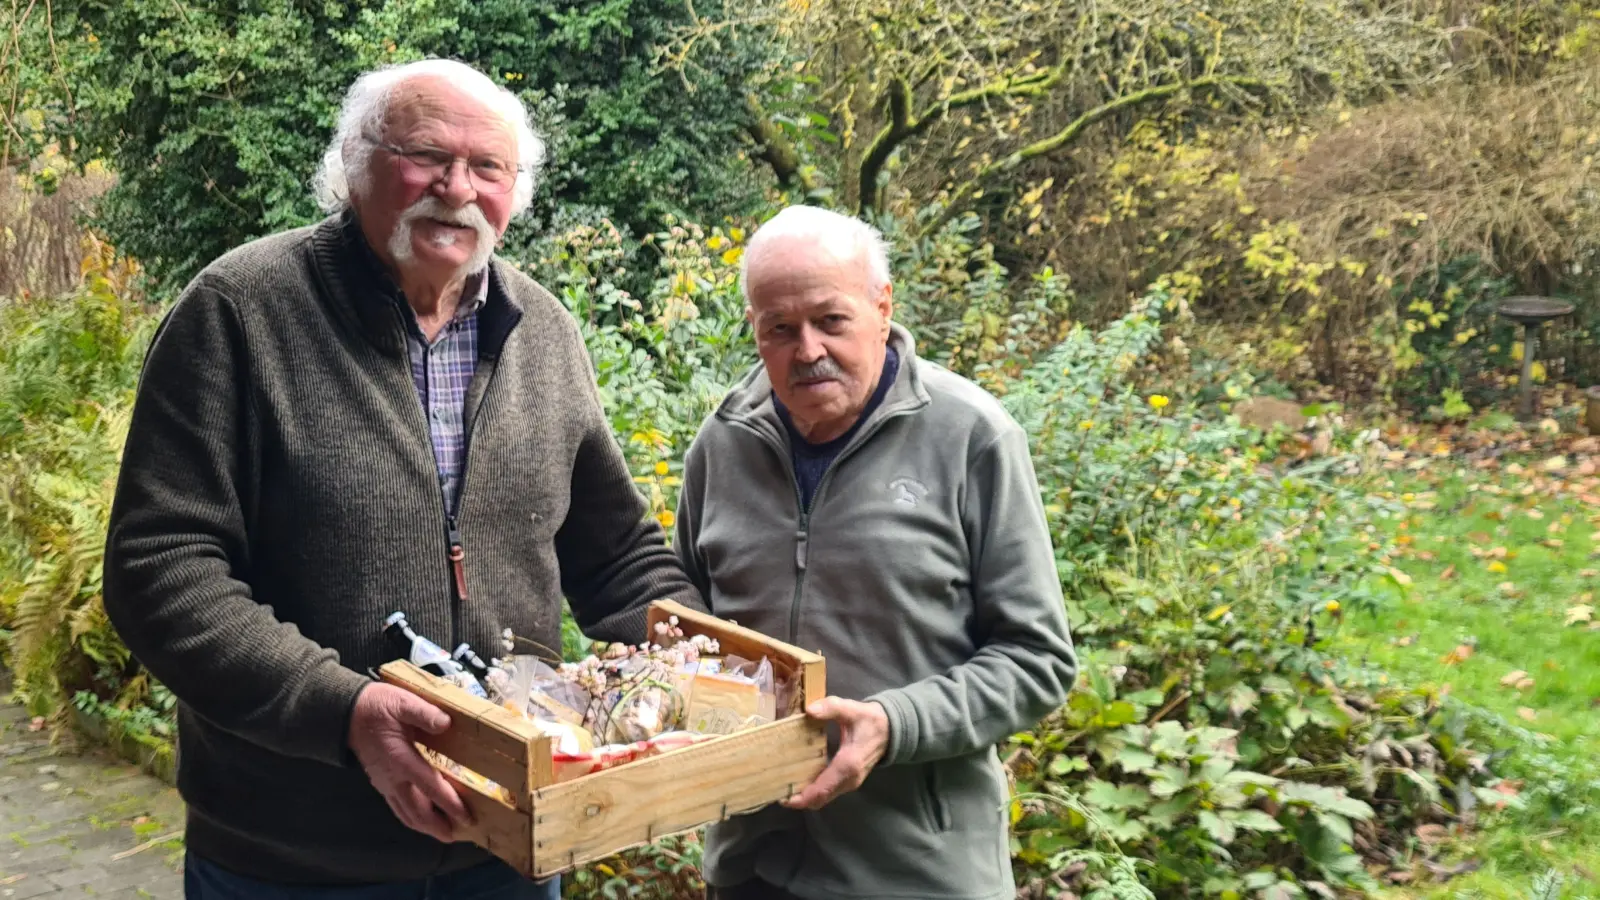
750, 402
367, 298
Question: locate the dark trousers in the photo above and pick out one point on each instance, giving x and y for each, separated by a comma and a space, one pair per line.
205, 880
750, 890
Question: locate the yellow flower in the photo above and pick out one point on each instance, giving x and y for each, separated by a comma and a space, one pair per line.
1157, 401
1332, 606
715, 242
666, 518
731, 255
661, 468
1497, 566
737, 234
1086, 424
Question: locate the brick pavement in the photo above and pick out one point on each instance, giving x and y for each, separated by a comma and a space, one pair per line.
66, 813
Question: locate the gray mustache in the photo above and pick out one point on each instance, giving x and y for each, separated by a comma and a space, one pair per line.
822, 368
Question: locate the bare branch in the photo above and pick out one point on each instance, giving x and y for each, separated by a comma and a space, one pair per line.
1066, 136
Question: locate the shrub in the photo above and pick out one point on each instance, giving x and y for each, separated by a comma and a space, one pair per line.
68, 367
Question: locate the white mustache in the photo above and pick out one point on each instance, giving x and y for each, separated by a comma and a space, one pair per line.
431, 207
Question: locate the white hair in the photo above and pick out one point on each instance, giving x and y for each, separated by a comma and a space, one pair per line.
840, 235
366, 104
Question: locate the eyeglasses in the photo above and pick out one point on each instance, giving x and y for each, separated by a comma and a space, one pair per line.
426, 166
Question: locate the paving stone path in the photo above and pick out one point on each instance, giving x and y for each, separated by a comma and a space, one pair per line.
69, 815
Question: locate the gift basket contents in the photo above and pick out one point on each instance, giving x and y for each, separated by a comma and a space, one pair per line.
619, 704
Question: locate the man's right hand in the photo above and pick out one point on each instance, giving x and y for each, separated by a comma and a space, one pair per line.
383, 728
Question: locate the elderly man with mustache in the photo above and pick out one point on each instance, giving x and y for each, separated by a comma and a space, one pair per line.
366, 415
856, 500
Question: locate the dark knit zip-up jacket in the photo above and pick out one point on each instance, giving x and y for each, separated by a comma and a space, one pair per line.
279, 497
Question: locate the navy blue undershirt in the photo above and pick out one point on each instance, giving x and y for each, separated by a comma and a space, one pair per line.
812, 460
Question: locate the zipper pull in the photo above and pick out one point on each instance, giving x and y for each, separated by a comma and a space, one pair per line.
458, 556
800, 550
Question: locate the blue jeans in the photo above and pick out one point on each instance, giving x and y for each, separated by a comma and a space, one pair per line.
205, 880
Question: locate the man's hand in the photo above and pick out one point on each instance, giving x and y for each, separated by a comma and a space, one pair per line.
863, 739
383, 729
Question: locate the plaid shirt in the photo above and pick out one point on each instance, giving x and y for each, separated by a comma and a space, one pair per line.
442, 372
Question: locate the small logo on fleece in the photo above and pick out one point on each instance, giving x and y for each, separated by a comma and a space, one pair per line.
908, 491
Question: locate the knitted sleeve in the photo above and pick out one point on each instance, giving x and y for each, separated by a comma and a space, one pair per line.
177, 547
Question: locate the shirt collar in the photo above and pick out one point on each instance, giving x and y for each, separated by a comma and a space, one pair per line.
474, 294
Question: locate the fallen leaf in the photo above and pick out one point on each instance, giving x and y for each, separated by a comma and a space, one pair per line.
1399, 576
1432, 834
1424, 555
1588, 573
1406, 641
1511, 679
1535, 514
1460, 654
1554, 464
1479, 537
1552, 543
1448, 573
1497, 553
1583, 612
1526, 713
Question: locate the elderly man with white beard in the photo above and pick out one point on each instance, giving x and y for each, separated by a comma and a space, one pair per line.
334, 423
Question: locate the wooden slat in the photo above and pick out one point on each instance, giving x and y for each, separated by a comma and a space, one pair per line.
488, 739
736, 640
597, 815
502, 830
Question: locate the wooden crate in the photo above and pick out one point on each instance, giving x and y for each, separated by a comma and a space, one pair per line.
542, 828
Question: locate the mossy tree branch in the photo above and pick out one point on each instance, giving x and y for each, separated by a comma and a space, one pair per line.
904, 124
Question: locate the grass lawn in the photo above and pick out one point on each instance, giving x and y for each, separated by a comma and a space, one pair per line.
1500, 559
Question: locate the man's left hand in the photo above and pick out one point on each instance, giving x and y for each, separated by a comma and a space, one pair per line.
863, 739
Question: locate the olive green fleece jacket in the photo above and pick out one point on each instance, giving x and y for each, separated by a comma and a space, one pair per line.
279, 497
925, 575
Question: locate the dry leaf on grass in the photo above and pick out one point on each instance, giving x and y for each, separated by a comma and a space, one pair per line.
1460, 654
1527, 714
1517, 679
1583, 612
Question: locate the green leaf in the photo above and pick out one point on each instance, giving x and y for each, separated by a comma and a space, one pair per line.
1133, 760
1168, 780
1339, 826
1166, 813
1150, 697
1066, 765
1257, 880
1105, 795
1252, 820
1220, 829
1242, 699
1119, 713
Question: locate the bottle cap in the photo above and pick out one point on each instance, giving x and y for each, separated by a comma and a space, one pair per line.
394, 618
